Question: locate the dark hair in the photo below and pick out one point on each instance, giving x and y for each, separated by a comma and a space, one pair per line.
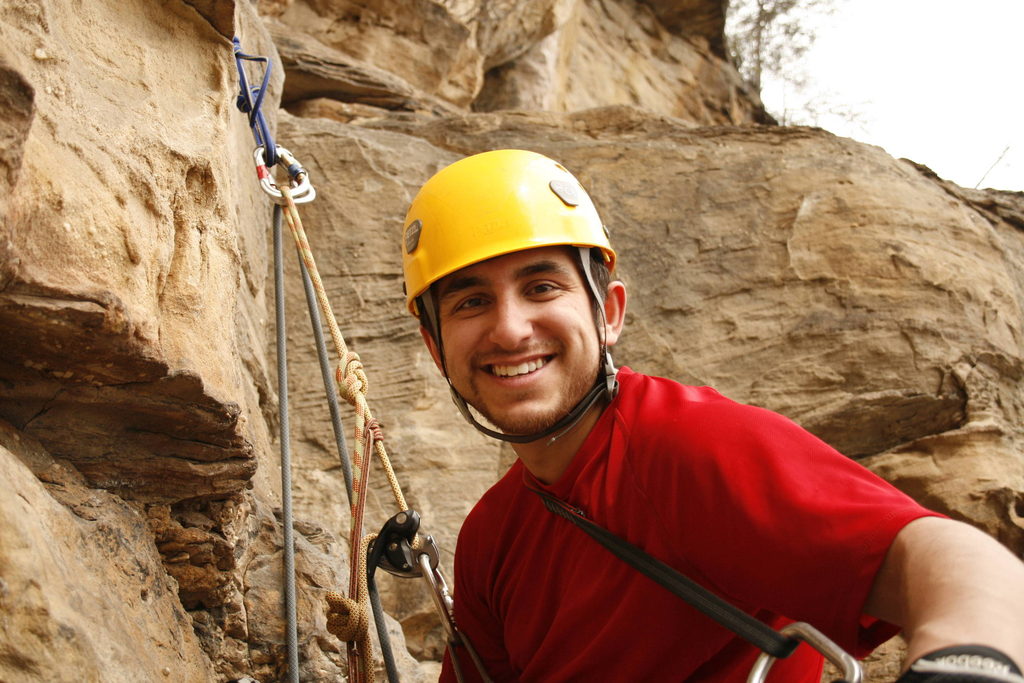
602, 274
603, 277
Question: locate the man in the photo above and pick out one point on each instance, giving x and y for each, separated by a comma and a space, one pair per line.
509, 269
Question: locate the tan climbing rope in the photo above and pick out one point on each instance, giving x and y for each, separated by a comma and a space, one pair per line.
349, 616
352, 383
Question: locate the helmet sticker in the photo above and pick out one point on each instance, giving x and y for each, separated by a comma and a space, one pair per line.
566, 191
412, 236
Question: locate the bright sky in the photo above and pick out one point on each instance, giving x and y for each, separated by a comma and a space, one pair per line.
940, 82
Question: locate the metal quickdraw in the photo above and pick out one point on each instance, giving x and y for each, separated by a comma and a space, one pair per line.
267, 153
850, 667
250, 100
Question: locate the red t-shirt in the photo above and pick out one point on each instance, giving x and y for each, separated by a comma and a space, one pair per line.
737, 498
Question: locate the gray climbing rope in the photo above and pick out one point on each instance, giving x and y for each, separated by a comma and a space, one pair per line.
286, 456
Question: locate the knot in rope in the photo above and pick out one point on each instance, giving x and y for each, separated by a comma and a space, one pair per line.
351, 378
346, 618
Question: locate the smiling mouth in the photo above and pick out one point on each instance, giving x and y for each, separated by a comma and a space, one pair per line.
520, 369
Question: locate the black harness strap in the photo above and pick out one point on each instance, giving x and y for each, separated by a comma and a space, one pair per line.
739, 622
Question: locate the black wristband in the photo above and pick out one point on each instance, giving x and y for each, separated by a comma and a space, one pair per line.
962, 664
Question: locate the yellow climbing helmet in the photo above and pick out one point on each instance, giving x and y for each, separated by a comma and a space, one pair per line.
491, 204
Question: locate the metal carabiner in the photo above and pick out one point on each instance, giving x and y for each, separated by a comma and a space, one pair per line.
302, 190
439, 593
850, 667
446, 608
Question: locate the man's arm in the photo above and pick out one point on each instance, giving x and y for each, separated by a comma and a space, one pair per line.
947, 584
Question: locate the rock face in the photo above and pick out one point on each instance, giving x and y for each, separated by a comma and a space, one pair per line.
123, 243
74, 557
132, 322
548, 55
874, 303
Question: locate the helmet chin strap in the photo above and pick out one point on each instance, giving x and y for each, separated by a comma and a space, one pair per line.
559, 428
605, 384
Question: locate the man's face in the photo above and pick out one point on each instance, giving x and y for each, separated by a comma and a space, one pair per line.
519, 337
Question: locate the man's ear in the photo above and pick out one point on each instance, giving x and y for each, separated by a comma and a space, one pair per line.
614, 311
428, 339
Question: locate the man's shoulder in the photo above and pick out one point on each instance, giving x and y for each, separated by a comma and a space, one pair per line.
654, 399
664, 414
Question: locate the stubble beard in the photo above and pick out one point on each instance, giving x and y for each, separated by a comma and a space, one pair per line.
535, 421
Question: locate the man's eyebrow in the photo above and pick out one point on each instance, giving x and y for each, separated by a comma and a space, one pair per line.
457, 283
541, 267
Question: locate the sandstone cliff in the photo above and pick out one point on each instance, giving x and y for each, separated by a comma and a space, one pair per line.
874, 303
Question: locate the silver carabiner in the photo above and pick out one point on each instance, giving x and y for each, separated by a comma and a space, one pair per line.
302, 190
446, 607
438, 590
850, 667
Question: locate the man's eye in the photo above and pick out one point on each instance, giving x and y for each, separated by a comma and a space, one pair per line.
542, 288
468, 303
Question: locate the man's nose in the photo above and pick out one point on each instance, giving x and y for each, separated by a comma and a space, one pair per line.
513, 323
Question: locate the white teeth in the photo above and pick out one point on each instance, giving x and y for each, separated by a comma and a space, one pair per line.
521, 369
